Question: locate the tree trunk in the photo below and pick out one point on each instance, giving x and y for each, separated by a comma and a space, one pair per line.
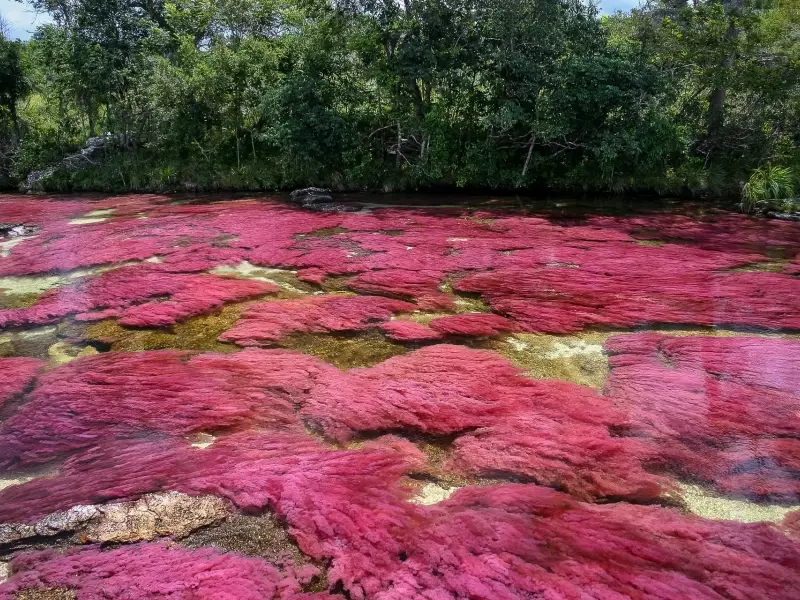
527, 159
718, 96
90, 115
12, 106
399, 143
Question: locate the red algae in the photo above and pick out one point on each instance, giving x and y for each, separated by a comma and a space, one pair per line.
410, 331
421, 286
141, 296
723, 410
157, 571
472, 324
718, 411
267, 323
16, 375
506, 541
167, 392
551, 432
565, 300
541, 275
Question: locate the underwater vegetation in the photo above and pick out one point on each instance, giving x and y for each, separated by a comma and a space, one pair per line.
248, 400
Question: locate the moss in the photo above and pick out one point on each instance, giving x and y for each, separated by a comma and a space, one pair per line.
767, 266
423, 317
654, 243
345, 351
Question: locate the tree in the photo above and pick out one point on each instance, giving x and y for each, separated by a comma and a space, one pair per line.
14, 84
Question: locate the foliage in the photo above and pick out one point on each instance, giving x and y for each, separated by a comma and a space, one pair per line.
769, 187
365, 94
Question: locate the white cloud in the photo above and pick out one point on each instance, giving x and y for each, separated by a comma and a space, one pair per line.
21, 18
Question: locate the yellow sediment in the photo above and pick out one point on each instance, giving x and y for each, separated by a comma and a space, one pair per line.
96, 216
202, 441
59, 593
8, 480
578, 358
5, 247
284, 279
433, 493
63, 352
703, 503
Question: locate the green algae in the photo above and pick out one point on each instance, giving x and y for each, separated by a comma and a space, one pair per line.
256, 536
325, 232
345, 351
8, 301
767, 266
199, 333
34, 342
336, 284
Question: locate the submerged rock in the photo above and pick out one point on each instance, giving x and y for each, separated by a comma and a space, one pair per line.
153, 515
14, 230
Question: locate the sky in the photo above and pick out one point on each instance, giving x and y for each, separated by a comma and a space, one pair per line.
23, 21
21, 18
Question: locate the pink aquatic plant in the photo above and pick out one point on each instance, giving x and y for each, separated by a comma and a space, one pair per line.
541, 275
724, 410
143, 571
165, 392
16, 374
506, 541
140, 296
268, 322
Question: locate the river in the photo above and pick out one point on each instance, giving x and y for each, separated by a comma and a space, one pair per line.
424, 397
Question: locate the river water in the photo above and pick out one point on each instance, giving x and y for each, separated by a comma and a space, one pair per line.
425, 397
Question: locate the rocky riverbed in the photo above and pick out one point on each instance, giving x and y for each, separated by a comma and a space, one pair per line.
242, 398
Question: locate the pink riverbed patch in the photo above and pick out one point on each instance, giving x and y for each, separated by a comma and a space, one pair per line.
718, 411
542, 275
16, 374
550, 432
349, 507
166, 392
268, 322
140, 296
155, 571
725, 410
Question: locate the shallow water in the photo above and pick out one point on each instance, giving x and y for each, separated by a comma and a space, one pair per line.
430, 397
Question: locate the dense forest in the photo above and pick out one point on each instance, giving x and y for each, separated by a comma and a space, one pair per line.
674, 97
